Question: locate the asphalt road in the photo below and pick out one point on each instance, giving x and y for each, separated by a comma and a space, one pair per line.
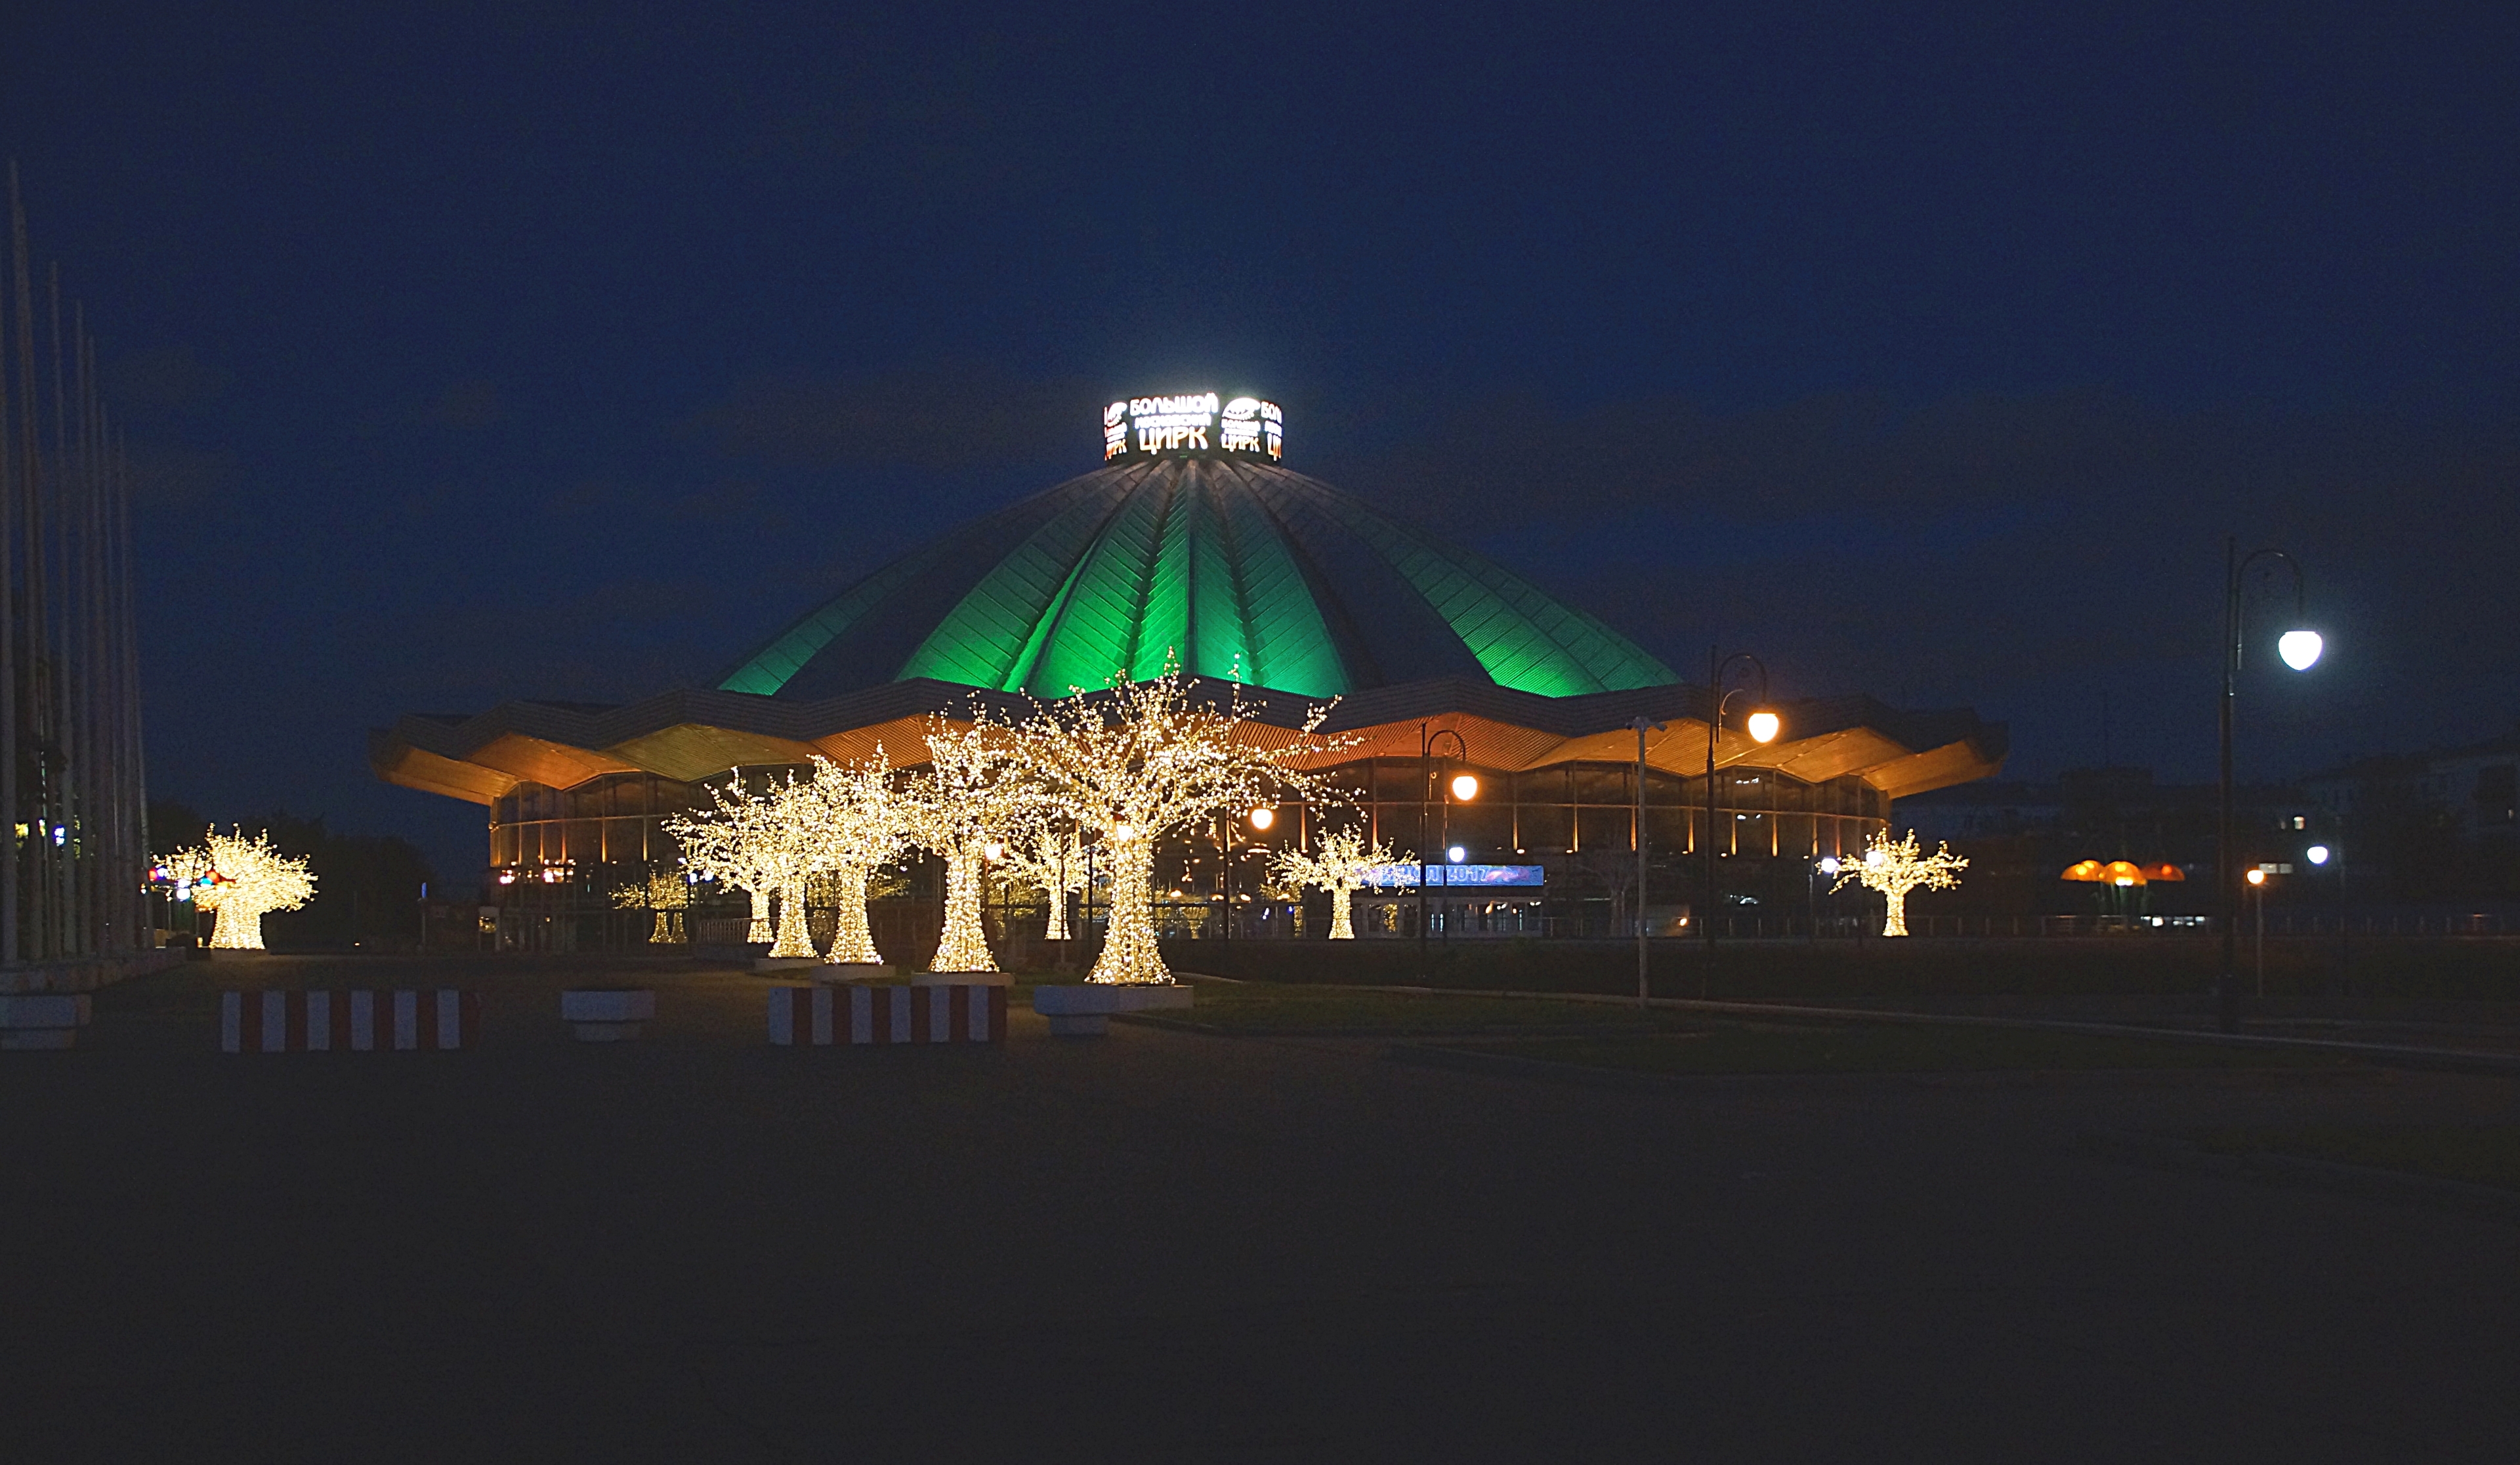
1165, 1246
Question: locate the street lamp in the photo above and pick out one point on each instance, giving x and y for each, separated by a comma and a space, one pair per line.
1461, 785
1827, 865
1642, 725
1763, 725
2298, 648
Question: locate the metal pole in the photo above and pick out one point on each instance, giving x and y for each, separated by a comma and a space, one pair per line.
1714, 723
1424, 788
2226, 872
1642, 724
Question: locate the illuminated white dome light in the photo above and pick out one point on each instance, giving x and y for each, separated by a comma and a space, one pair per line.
2300, 649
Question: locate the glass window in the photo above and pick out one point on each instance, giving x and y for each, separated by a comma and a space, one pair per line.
1544, 786
1544, 828
1603, 783
1601, 827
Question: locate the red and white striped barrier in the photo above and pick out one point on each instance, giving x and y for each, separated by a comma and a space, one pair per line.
356, 1021
825, 1016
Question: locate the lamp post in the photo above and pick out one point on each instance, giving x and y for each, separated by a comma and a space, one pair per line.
1827, 864
1642, 725
2319, 856
1762, 726
2298, 648
1464, 787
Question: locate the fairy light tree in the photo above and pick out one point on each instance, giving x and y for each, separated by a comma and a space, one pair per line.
240, 880
1345, 865
665, 893
968, 797
1049, 858
1143, 764
760, 844
1894, 867
856, 824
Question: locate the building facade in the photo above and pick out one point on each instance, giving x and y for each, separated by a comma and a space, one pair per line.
1194, 547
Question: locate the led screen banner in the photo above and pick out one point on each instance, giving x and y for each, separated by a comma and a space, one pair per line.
1198, 421
1384, 877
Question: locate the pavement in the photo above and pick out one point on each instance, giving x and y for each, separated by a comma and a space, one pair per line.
1168, 1246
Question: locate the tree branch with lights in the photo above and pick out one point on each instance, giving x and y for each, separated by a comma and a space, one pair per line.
761, 843
1145, 763
666, 893
1345, 865
1894, 867
856, 821
240, 880
970, 796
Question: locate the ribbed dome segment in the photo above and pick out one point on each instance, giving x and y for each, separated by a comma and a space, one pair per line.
1246, 572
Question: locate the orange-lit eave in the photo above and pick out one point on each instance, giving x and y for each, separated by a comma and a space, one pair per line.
691, 752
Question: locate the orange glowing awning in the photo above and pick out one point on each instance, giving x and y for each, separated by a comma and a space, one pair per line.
2122, 872
2165, 872
2084, 870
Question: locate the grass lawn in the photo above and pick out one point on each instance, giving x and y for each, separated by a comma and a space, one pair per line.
2480, 1154
1893, 1048
1259, 1009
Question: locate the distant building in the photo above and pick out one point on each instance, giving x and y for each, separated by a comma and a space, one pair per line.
1192, 545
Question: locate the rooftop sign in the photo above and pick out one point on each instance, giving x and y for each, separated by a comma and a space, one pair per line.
1194, 423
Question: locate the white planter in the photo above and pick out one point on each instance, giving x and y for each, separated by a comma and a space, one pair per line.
961, 979
850, 970
607, 1015
1083, 1009
42, 1020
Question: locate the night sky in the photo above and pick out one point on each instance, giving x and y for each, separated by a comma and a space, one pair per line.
470, 357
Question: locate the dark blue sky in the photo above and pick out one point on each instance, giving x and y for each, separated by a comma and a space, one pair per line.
476, 355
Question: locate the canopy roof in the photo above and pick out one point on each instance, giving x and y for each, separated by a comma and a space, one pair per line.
1247, 571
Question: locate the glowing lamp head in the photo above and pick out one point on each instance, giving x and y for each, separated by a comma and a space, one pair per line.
1262, 819
1466, 787
2317, 853
1455, 854
994, 851
2300, 649
2255, 876
2129, 880
1123, 832
1829, 864
1875, 858
1762, 726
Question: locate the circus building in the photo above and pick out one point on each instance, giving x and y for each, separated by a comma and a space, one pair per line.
1192, 542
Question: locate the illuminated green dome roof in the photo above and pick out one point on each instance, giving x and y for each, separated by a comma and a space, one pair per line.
1249, 572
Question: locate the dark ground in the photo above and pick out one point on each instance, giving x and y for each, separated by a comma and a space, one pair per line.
1169, 1246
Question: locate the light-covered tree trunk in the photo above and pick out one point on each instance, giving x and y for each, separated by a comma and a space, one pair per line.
1057, 931
1343, 912
1896, 901
667, 931
795, 941
237, 929
759, 930
852, 940
966, 943
1130, 952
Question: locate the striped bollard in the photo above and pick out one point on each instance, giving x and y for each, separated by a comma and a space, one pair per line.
884, 1016
355, 1022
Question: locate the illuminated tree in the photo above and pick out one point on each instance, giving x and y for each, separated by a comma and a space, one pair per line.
1344, 866
666, 893
855, 824
1049, 858
1145, 762
762, 844
967, 798
1894, 867
240, 879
